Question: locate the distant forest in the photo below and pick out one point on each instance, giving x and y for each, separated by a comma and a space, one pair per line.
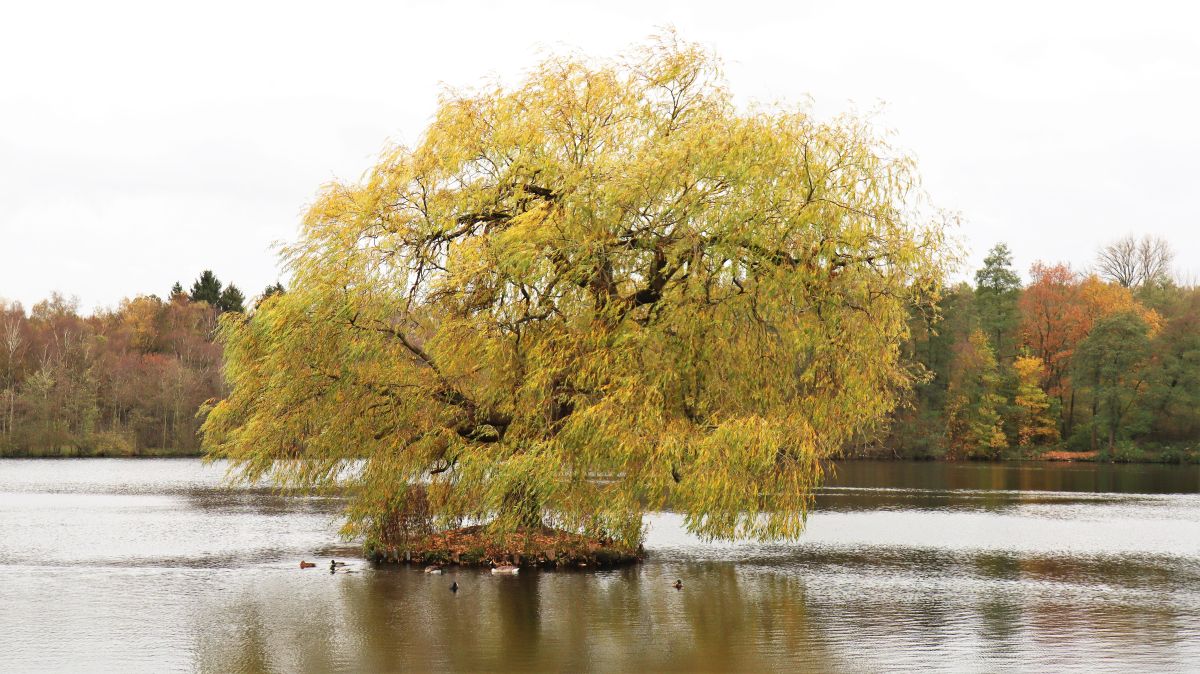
1105, 361
123, 382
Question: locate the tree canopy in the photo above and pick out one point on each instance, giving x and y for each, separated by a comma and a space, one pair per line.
1133, 263
206, 288
604, 290
1093, 366
231, 299
121, 381
997, 287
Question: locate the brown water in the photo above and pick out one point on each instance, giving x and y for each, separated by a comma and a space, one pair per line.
150, 565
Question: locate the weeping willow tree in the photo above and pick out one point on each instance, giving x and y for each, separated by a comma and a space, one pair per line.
602, 291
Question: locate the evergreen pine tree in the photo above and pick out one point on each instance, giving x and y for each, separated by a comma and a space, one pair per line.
275, 288
207, 288
997, 287
231, 299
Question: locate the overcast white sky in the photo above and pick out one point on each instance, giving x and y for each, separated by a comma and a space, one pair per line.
143, 142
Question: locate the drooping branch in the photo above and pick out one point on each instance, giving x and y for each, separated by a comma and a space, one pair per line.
475, 424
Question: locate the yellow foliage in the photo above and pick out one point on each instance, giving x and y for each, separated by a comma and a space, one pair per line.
604, 290
1035, 422
973, 423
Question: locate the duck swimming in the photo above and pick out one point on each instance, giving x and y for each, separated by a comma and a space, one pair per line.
454, 586
306, 565
678, 584
433, 568
506, 568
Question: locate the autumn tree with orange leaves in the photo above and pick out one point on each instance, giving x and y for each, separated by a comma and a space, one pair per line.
1059, 309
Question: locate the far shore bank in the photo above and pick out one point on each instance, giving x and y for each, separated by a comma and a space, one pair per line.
1126, 454
74, 453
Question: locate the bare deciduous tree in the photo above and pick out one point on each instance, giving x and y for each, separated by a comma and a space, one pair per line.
1132, 263
1155, 257
12, 342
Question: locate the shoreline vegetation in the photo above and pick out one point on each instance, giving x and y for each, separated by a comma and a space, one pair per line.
102, 453
1131, 454
118, 382
1101, 364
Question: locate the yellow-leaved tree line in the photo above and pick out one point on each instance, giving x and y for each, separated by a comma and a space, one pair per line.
602, 291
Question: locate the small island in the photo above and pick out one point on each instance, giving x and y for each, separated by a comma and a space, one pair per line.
475, 546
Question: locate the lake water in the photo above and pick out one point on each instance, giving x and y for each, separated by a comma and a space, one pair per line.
151, 565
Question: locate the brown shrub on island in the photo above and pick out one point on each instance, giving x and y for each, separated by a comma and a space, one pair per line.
474, 546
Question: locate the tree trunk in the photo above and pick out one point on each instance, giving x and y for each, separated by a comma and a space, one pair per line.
1095, 408
1069, 421
527, 507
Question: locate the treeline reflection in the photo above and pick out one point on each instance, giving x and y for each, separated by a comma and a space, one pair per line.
1008, 610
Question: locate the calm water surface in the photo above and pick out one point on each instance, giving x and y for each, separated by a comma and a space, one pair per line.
151, 565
